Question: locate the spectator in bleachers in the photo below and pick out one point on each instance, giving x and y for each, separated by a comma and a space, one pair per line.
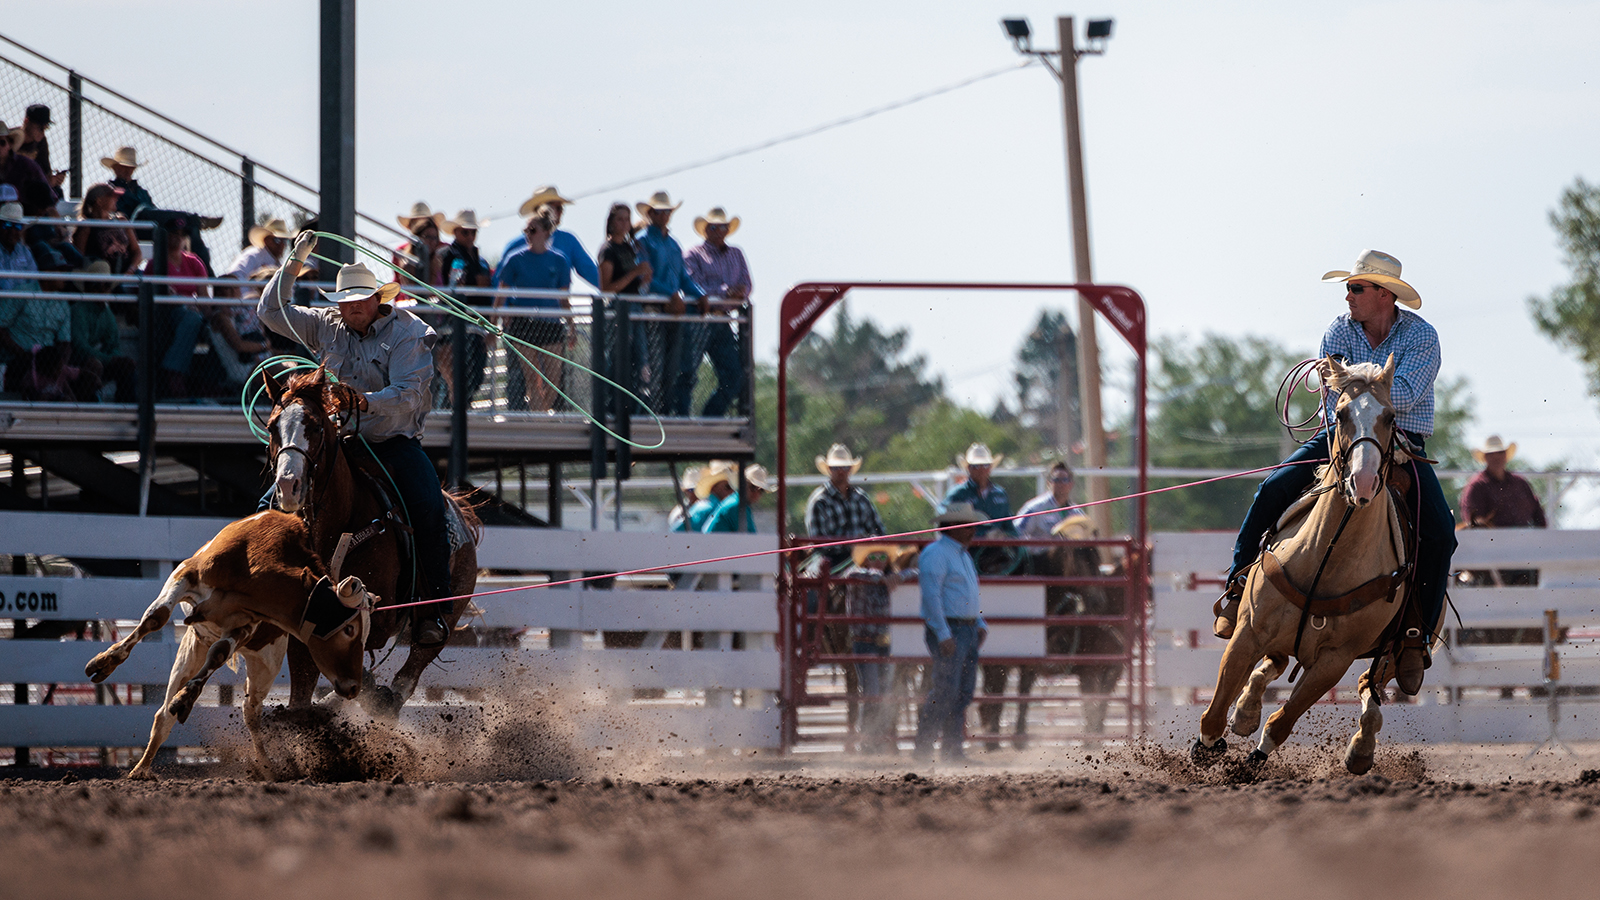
35, 146
35, 333
51, 247
117, 246
538, 266
136, 203
180, 324
624, 269
725, 518
267, 243
16, 169
96, 339
721, 271
669, 278
839, 509
460, 265
417, 257
678, 519
547, 196
237, 335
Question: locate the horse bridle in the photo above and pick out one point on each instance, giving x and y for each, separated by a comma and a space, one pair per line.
312, 460
1341, 458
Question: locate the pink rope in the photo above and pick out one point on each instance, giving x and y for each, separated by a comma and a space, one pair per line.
849, 541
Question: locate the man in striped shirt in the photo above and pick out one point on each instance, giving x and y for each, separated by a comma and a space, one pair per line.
1372, 330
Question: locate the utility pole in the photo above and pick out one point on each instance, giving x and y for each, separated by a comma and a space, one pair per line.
338, 114
1094, 433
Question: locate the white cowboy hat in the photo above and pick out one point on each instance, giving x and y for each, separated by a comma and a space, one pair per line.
690, 481
544, 193
756, 477
466, 218
1382, 269
420, 210
715, 217
658, 200
12, 134
1494, 445
718, 470
978, 455
356, 282
11, 212
270, 228
125, 156
959, 513
838, 455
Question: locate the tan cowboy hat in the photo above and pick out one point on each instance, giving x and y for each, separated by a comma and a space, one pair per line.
125, 156
756, 477
715, 217
544, 193
1381, 269
420, 210
356, 282
11, 212
14, 135
978, 455
93, 267
1494, 445
959, 513
690, 481
1075, 527
466, 218
270, 228
898, 554
838, 455
658, 200
718, 470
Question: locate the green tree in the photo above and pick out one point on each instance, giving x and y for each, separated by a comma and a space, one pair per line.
1571, 314
1046, 376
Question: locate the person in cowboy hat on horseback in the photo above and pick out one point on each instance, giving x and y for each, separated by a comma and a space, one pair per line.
1373, 329
387, 354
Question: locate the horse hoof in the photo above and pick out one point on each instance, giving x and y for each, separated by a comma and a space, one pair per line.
182, 705
1257, 757
1205, 756
1357, 765
101, 666
381, 702
1242, 724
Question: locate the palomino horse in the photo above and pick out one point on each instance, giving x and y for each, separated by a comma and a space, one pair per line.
1094, 679
316, 480
1349, 554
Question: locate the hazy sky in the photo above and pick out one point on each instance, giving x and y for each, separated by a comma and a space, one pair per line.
1235, 151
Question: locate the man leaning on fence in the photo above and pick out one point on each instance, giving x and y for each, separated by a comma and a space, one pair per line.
1498, 498
954, 630
720, 269
840, 509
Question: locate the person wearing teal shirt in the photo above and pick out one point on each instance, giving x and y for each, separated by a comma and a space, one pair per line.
726, 516
986, 496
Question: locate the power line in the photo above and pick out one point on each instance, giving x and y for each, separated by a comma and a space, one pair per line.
809, 132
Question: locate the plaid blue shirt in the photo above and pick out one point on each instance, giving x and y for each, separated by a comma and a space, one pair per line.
1415, 346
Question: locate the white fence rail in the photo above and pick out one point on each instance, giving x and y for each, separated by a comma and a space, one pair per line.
715, 695
1476, 691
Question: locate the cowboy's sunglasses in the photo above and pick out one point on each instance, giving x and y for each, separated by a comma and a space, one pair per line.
1359, 289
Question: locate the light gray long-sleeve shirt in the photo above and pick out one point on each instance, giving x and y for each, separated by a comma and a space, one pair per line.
392, 364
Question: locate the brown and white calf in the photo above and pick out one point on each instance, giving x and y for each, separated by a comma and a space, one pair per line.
250, 588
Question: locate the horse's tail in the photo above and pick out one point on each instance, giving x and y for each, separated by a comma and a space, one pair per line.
468, 510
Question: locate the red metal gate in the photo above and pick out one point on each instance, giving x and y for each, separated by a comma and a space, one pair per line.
803, 624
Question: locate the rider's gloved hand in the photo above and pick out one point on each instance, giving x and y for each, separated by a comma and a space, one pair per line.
304, 244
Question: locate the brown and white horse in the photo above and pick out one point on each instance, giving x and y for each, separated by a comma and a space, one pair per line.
1357, 587
316, 481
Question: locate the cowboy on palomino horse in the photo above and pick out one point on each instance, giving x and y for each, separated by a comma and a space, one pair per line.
386, 354
1380, 594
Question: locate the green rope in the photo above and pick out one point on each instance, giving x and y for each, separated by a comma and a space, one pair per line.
452, 306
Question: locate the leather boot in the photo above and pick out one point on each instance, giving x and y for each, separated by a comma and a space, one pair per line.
432, 631
1226, 609
1413, 661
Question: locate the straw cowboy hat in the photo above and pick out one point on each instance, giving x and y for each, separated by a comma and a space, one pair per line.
466, 218
14, 135
125, 156
420, 210
715, 217
978, 455
658, 200
838, 455
690, 480
959, 513
544, 193
1494, 445
1075, 527
718, 470
270, 228
356, 282
1381, 269
898, 554
756, 477
11, 212
92, 267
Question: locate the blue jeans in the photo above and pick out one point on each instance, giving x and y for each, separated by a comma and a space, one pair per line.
684, 369
951, 682
1436, 525
418, 482
184, 325
722, 346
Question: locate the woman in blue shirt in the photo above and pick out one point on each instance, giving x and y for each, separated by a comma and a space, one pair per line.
538, 265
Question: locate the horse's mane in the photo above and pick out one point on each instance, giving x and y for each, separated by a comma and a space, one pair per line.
1359, 375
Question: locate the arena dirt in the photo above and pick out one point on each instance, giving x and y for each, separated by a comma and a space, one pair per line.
1137, 822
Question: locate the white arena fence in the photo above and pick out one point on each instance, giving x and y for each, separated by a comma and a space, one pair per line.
719, 694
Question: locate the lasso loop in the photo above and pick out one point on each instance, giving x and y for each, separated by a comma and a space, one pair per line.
1300, 375
466, 313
